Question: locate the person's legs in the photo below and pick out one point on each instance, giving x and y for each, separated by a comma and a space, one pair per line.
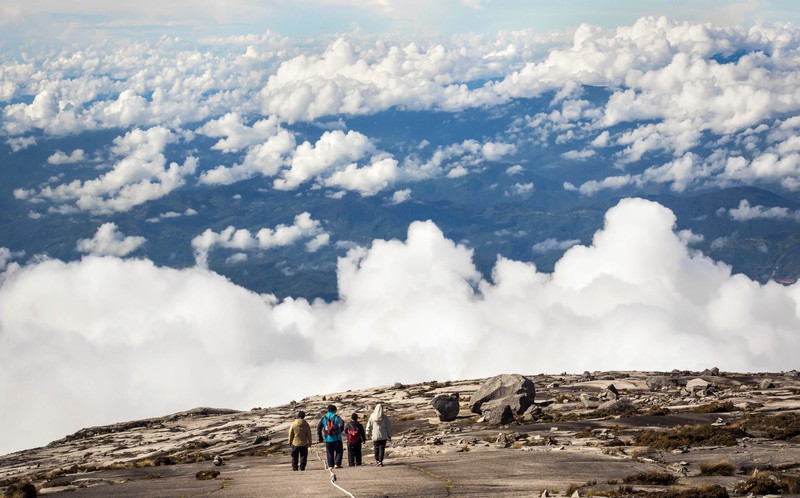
303, 457
339, 453
295, 454
376, 450
351, 455
381, 450
330, 449
357, 452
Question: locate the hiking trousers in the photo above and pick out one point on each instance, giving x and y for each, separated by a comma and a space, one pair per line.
380, 449
335, 451
353, 454
299, 457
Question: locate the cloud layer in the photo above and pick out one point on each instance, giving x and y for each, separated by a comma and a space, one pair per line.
110, 339
685, 105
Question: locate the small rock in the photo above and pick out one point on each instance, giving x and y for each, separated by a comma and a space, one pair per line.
589, 401
766, 384
207, 475
261, 439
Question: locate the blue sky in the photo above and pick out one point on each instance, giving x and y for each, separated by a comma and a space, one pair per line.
23, 21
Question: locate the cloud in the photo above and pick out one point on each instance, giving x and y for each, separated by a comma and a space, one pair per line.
60, 157
551, 244
267, 145
521, 189
140, 175
401, 196
235, 135
304, 227
109, 241
166, 340
171, 214
745, 212
578, 155
333, 151
21, 143
7, 256
667, 89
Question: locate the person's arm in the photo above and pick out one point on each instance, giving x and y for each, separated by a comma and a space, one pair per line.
361, 433
291, 433
369, 428
319, 430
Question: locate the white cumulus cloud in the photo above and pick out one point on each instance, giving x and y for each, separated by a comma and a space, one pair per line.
304, 227
109, 241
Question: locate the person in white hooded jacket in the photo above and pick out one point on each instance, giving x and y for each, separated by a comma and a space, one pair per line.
379, 428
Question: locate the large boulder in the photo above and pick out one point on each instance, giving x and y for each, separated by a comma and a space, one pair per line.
446, 405
699, 387
497, 411
658, 382
505, 386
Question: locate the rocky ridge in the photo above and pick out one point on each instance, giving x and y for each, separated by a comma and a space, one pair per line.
596, 433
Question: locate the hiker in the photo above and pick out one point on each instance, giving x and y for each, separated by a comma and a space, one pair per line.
300, 440
333, 426
380, 427
355, 436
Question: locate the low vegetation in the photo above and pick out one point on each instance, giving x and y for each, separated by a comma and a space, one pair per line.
723, 468
712, 491
759, 484
651, 478
22, 490
689, 435
715, 407
784, 426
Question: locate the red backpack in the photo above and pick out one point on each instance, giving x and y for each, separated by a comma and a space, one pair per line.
353, 436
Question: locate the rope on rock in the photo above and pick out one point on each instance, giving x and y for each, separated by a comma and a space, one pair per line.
333, 476
448, 484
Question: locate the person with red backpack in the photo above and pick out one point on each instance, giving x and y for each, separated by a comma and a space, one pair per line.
332, 426
355, 436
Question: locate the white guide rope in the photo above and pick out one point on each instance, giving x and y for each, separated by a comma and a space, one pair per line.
333, 476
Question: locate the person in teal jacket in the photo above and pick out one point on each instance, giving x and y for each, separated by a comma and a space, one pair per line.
332, 427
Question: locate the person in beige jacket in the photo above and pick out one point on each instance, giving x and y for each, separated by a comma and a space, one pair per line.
379, 426
300, 439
